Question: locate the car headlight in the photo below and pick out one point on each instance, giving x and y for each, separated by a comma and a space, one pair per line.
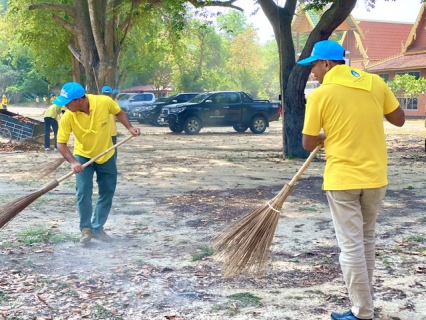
150, 108
177, 110
137, 109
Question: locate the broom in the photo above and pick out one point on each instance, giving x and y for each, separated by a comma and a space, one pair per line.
11, 209
244, 246
48, 167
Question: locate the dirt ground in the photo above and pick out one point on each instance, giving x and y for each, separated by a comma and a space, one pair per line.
175, 193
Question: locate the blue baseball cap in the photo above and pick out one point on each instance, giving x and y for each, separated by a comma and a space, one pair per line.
106, 89
325, 50
115, 91
69, 92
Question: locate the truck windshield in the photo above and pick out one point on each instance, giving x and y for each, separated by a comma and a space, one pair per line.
200, 98
168, 99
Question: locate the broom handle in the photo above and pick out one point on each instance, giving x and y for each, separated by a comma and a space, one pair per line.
305, 165
88, 163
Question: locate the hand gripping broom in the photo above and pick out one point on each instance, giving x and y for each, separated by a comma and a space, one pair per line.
244, 246
11, 209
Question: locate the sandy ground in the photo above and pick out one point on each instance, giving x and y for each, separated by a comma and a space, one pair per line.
175, 193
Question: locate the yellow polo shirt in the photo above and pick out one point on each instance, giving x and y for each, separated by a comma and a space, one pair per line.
92, 132
53, 111
350, 105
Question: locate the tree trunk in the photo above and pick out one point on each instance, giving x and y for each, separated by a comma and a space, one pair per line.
293, 77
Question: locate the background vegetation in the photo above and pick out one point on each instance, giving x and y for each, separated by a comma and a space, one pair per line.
207, 51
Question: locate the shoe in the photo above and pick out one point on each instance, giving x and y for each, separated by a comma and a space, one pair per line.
86, 235
348, 315
102, 236
47, 149
55, 149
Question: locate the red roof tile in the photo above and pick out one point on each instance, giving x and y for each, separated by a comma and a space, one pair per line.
419, 42
382, 39
400, 62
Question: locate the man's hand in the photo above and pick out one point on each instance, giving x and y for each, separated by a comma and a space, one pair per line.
76, 166
311, 142
135, 131
321, 139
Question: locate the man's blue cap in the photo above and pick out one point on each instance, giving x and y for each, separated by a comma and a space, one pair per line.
106, 89
115, 91
69, 92
325, 50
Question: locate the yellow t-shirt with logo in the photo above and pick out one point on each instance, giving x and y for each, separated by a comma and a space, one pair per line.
113, 126
349, 106
92, 132
53, 111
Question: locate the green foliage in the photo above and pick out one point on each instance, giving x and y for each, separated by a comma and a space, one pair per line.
269, 86
247, 299
46, 41
407, 88
416, 239
205, 252
231, 24
40, 234
245, 63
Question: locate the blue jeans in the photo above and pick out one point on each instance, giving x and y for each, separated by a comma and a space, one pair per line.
50, 122
106, 177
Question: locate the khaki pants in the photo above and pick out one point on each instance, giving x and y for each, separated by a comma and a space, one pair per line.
354, 214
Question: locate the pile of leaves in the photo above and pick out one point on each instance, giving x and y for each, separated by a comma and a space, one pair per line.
20, 146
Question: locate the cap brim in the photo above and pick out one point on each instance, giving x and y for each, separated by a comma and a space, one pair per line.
61, 101
307, 61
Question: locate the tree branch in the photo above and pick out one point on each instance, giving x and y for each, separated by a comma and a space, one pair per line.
96, 30
56, 7
215, 3
71, 27
75, 52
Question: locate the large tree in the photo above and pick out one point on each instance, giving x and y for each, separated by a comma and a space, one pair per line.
294, 77
98, 30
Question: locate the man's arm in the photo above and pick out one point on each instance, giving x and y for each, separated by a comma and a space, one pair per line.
396, 117
311, 142
122, 117
66, 153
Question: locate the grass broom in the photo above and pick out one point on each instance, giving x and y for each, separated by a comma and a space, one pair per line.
244, 246
11, 209
48, 167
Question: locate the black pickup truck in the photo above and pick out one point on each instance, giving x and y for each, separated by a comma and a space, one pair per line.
151, 112
221, 109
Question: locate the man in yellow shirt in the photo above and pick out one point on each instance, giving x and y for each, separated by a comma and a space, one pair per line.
106, 90
51, 116
4, 101
349, 106
88, 118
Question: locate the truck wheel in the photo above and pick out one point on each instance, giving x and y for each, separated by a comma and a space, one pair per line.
5, 135
192, 125
175, 128
258, 124
156, 120
240, 128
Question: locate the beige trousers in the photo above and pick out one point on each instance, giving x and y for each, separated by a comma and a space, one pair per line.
354, 214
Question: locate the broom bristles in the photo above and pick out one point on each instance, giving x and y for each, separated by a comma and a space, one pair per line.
12, 208
48, 167
244, 246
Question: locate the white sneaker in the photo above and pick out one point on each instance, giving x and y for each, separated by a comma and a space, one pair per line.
55, 149
47, 149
